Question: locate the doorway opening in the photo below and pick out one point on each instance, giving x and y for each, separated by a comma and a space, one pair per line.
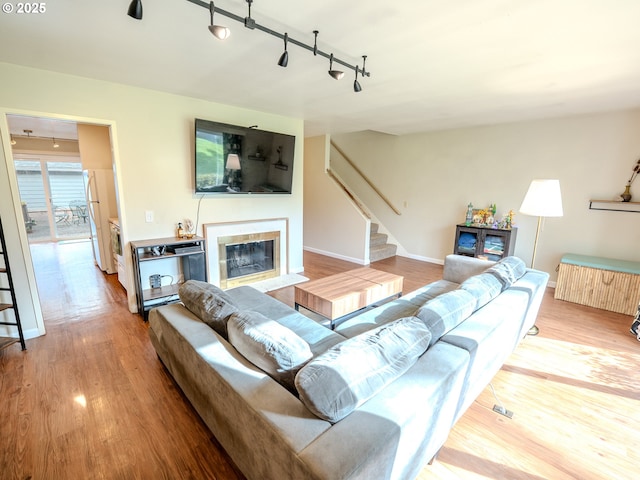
55, 163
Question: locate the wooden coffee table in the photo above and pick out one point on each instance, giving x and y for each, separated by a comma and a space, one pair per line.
338, 296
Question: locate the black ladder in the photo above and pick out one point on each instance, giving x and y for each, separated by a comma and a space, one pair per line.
5, 270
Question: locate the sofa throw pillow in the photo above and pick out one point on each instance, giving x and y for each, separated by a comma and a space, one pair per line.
209, 303
484, 288
341, 379
269, 346
508, 270
446, 311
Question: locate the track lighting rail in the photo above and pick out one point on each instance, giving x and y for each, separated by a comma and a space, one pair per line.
250, 23
253, 25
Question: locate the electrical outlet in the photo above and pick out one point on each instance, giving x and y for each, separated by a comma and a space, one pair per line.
148, 216
503, 411
155, 280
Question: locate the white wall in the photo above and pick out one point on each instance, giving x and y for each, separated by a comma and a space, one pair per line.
433, 176
342, 235
153, 150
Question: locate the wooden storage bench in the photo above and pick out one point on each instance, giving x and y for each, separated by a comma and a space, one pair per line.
599, 282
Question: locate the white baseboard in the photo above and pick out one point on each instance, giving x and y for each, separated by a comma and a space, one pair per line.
437, 261
359, 261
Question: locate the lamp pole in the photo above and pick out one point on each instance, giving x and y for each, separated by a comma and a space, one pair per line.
535, 243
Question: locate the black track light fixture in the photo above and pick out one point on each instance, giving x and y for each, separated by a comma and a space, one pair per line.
356, 84
337, 74
219, 31
135, 9
284, 58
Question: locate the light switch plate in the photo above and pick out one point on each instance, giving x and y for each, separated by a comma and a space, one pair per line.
148, 216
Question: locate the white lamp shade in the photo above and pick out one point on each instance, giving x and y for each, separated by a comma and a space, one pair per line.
543, 199
233, 162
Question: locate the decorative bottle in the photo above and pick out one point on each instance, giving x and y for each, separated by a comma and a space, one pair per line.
180, 231
469, 220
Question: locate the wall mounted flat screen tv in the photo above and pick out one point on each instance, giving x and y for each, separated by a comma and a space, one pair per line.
233, 159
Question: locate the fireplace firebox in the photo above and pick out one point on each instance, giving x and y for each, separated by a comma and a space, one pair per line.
248, 258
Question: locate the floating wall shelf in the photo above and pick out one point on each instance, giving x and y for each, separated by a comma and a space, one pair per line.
614, 206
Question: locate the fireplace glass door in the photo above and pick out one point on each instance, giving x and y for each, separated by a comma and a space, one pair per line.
248, 258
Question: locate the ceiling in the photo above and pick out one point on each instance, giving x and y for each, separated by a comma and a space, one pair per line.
434, 64
42, 127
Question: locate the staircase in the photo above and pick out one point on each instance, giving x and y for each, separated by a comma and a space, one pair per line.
379, 249
5, 270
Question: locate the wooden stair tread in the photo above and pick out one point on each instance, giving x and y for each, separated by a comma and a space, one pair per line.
5, 306
6, 341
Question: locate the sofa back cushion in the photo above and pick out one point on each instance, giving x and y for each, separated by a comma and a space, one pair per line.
508, 270
457, 268
446, 311
484, 288
268, 345
336, 382
495, 280
209, 303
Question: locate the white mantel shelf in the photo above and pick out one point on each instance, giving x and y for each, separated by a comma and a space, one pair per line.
614, 206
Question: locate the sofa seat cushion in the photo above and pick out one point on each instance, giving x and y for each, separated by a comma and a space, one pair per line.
489, 336
209, 303
335, 383
268, 345
446, 312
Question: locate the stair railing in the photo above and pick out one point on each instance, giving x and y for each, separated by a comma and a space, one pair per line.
346, 190
366, 179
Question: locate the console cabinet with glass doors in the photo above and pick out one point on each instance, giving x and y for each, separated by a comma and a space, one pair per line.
484, 242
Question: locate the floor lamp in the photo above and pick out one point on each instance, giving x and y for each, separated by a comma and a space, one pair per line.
543, 199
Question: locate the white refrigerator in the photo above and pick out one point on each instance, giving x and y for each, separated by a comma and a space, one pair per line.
100, 190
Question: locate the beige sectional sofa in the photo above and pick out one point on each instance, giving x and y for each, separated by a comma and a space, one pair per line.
376, 398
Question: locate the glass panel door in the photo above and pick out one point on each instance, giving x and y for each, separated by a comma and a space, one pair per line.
34, 193
467, 242
53, 199
68, 200
494, 246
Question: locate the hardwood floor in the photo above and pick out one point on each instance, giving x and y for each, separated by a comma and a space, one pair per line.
91, 400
